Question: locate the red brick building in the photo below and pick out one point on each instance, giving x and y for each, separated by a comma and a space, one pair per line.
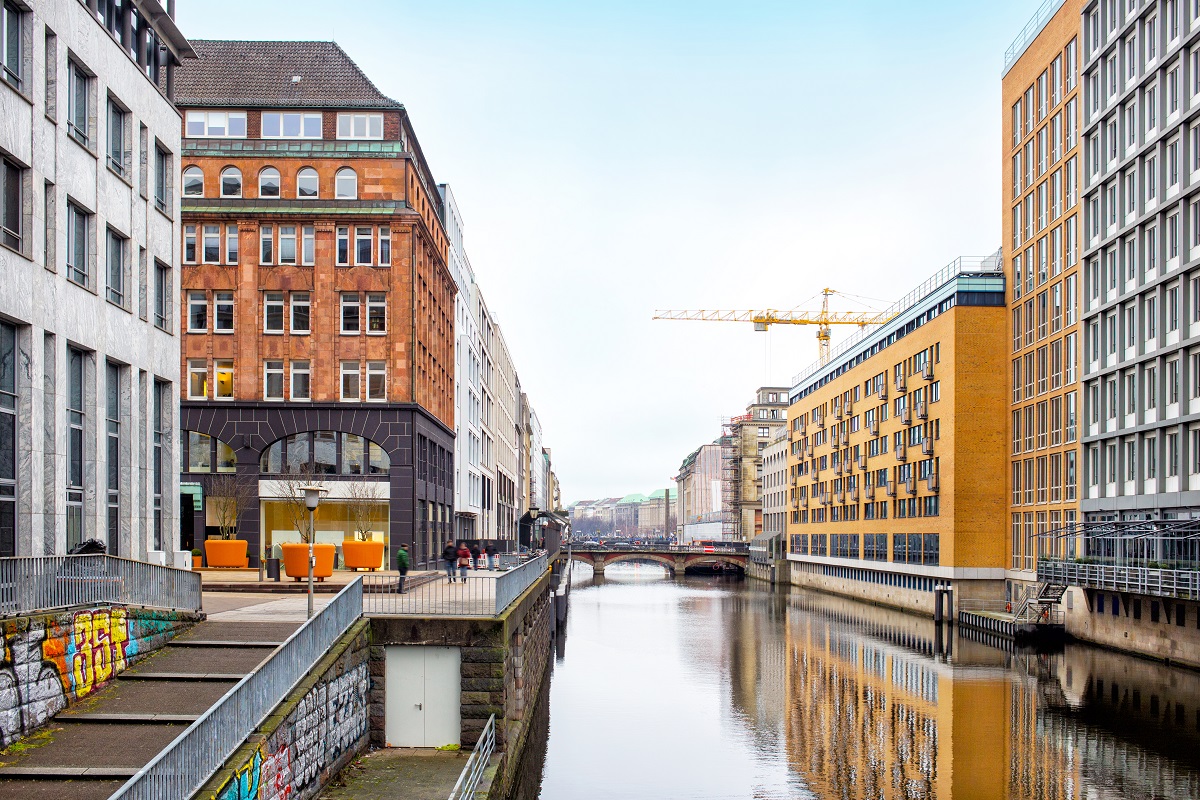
318, 312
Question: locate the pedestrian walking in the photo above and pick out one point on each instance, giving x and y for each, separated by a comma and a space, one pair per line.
475, 562
402, 563
490, 550
449, 558
464, 560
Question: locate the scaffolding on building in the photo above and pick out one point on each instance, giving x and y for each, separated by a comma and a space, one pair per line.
731, 477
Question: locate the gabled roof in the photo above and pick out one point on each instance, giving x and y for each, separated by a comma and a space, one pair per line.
260, 73
632, 498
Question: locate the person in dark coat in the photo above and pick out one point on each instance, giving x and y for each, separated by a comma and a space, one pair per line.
490, 550
449, 559
475, 556
402, 562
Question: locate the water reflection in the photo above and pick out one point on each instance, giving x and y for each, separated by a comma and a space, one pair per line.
706, 688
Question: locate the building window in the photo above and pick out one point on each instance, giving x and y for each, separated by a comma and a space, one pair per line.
360, 126
12, 209
300, 312
210, 245
193, 182
376, 313
307, 183
216, 124
113, 454
8, 440
343, 246
78, 88
223, 312
345, 185
273, 380
197, 312
197, 379
287, 244
116, 247
12, 56
291, 125
268, 182
78, 251
376, 380
350, 377
308, 245
231, 244
162, 179
362, 245
118, 160
301, 385
159, 420
75, 420
273, 312
350, 313
231, 182
162, 295
266, 239
385, 246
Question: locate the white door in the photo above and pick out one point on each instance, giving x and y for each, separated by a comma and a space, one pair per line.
423, 696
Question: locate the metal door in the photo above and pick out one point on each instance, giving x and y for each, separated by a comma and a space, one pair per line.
423, 696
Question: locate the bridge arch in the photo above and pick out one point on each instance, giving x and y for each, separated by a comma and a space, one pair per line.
709, 559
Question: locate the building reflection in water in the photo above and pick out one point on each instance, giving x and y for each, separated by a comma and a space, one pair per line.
874, 703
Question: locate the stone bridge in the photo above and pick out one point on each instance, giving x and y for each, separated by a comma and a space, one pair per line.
675, 560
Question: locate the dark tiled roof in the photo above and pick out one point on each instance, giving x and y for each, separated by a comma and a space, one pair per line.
259, 73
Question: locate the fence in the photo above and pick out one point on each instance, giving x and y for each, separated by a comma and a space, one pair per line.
472, 773
199, 751
475, 595
29, 585
1177, 583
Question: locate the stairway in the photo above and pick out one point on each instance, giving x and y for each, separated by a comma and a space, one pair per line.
90, 749
1051, 593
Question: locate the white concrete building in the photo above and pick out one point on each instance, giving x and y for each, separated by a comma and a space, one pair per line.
89, 356
775, 483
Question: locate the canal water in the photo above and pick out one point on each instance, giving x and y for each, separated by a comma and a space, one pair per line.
706, 688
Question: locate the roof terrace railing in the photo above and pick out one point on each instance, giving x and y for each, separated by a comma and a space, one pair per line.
43, 583
1032, 28
963, 265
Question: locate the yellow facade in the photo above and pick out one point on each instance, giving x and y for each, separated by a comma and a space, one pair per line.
1042, 164
897, 456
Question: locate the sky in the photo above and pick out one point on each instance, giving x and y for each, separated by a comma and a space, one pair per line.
614, 158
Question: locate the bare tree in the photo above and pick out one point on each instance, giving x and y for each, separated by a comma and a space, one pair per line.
292, 496
363, 506
230, 494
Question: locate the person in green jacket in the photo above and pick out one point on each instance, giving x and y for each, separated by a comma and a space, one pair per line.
401, 566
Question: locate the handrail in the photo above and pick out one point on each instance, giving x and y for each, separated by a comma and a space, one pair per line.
481, 754
1028, 33
510, 585
42, 583
195, 755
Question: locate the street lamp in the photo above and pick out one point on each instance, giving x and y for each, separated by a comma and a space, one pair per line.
312, 499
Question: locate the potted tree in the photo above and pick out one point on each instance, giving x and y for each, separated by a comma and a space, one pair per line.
229, 495
295, 554
362, 552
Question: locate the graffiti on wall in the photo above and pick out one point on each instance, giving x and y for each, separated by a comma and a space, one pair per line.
53, 660
326, 724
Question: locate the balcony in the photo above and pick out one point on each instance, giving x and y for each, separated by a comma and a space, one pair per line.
927, 371
910, 485
837, 468
901, 452
1176, 583
854, 495
862, 463
927, 447
874, 427
922, 410
932, 483
837, 411
906, 415
890, 488
901, 384
883, 394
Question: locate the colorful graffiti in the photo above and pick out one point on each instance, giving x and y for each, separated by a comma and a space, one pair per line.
327, 723
53, 660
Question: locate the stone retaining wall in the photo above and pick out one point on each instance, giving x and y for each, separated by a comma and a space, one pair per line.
49, 661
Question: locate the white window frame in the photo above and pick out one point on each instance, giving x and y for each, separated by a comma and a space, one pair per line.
271, 299
220, 366
344, 304
193, 299
221, 299
197, 366
206, 119
375, 302
273, 367
303, 117
350, 368
301, 368
377, 369
298, 300
348, 125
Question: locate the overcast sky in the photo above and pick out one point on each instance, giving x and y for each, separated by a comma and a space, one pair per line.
615, 157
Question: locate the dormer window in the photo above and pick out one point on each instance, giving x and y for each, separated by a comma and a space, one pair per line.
360, 126
291, 125
216, 124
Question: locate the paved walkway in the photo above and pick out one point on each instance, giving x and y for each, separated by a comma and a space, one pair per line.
398, 774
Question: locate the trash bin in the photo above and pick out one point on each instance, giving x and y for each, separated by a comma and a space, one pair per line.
272, 569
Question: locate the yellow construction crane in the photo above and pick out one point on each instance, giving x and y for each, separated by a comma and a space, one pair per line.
761, 319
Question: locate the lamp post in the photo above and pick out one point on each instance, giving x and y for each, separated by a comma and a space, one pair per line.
312, 499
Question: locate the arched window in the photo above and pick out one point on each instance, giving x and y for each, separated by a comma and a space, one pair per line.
325, 453
306, 183
231, 182
345, 186
193, 182
268, 182
207, 453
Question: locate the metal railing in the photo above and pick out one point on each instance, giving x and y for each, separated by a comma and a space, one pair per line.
1177, 583
197, 753
1030, 31
959, 266
29, 585
481, 754
473, 595
1027, 611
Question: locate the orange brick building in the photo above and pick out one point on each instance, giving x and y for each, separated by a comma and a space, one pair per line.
318, 311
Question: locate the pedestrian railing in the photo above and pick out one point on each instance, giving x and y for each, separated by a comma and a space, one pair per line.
481, 754
1181, 584
29, 585
197, 753
476, 594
